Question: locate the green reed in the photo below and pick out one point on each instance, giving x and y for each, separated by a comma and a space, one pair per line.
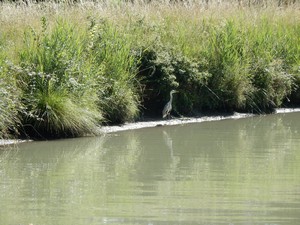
9, 101
110, 52
56, 93
78, 66
242, 63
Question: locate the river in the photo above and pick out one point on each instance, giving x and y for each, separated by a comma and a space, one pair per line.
233, 171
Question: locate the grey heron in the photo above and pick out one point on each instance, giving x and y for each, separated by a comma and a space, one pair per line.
168, 107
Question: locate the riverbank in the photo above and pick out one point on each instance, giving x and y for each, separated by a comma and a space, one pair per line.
7, 142
66, 69
186, 120
175, 121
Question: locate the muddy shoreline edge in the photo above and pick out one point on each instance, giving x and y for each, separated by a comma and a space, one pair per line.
158, 122
187, 120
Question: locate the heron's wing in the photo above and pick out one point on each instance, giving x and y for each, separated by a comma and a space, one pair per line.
167, 109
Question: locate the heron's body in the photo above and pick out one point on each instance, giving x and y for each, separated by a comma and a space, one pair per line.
168, 107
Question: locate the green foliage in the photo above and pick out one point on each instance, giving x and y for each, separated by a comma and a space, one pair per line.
56, 93
75, 73
272, 84
228, 64
248, 64
119, 103
163, 69
9, 101
240, 67
295, 95
72, 79
271, 64
157, 76
110, 52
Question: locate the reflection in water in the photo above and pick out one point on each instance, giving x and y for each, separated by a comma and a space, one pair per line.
226, 172
169, 142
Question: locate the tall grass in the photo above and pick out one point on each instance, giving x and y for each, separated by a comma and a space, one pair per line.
78, 66
9, 101
74, 78
111, 52
58, 96
233, 61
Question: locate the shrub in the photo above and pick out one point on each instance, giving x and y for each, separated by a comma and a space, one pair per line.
110, 52
9, 102
58, 99
272, 84
226, 54
163, 69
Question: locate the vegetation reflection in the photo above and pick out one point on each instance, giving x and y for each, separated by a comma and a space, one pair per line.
233, 170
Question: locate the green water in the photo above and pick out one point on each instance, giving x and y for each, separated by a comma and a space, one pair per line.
244, 171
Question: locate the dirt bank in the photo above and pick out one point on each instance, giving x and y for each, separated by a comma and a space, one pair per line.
184, 120
4, 142
174, 121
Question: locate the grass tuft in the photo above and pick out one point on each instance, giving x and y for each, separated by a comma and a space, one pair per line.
55, 89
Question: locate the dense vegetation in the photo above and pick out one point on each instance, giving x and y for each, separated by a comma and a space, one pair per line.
66, 69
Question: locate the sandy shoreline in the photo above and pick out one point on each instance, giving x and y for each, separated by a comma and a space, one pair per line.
4, 142
185, 120
175, 121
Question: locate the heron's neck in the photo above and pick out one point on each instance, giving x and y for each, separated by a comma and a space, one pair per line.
171, 97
